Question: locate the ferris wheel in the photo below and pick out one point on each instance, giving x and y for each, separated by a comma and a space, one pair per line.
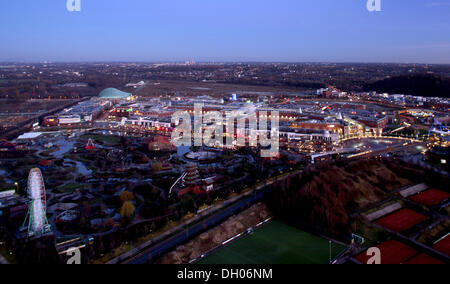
37, 206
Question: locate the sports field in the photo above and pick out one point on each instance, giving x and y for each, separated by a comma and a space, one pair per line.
402, 220
395, 252
443, 246
275, 243
430, 197
392, 252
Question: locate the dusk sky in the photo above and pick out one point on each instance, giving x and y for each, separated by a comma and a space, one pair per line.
413, 31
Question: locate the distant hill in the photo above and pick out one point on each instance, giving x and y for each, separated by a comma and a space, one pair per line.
416, 85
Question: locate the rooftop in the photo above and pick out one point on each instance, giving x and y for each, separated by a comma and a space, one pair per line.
112, 93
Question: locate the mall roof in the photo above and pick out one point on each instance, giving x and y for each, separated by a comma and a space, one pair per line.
112, 93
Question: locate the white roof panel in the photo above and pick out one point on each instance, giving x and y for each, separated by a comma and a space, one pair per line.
30, 135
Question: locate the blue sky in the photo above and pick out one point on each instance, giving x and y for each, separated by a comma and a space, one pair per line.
226, 30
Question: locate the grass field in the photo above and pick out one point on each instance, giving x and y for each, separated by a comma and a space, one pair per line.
106, 139
69, 187
275, 243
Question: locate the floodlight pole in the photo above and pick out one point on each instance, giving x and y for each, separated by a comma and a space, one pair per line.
330, 250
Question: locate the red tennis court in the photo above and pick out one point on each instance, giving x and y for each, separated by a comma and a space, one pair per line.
443, 246
402, 220
424, 259
430, 197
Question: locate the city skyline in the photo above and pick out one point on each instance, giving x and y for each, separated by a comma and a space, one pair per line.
254, 31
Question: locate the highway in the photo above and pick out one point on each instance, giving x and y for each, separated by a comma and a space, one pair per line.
155, 251
22, 126
167, 245
392, 149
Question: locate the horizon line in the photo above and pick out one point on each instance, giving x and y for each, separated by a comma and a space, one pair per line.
195, 62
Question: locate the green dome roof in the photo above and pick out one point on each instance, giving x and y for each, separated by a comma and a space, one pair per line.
112, 93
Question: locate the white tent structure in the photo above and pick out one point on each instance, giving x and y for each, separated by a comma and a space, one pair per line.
29, 136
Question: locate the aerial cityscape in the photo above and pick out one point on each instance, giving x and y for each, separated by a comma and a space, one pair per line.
193, 155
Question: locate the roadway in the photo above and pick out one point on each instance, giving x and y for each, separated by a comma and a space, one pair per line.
26, 124
398, 144
394, 149
155, 251
180, 238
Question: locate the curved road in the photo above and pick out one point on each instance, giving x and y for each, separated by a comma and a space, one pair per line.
167, 245
155, 251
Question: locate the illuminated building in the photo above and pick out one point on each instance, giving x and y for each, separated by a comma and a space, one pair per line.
192, 176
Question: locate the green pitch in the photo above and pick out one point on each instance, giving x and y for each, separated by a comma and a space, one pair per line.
275, 243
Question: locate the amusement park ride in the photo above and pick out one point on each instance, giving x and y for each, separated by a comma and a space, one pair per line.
90, 145
8, 149
36, 223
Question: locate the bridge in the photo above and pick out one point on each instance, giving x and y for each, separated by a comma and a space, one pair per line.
438, 128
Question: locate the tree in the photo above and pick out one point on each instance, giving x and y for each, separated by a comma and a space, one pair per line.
157, 167
126, 196
127, 210
85, 212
